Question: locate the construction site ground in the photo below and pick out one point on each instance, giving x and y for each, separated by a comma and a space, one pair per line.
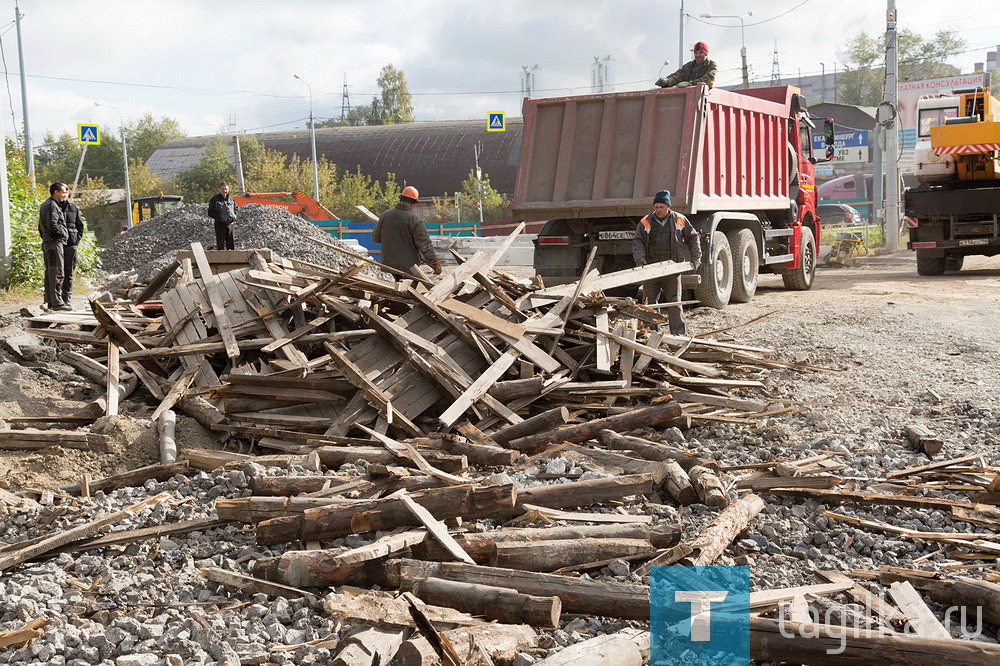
896, 349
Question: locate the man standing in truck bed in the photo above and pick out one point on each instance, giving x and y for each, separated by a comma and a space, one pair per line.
664, 235
699, 70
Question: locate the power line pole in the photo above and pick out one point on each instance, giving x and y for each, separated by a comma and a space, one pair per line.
479, 177
5, 257
29, 158
345, 101
680, 42
892, 132
775, 68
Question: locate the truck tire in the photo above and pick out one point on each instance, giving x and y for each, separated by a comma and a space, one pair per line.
801, 278
717, 273
746, 264
929, 265
953, 264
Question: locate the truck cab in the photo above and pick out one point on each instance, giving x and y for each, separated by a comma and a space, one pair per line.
930, 166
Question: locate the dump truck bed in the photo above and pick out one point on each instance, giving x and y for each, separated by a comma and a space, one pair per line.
607, 155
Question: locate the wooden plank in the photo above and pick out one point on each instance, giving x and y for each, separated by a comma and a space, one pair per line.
876, 604
376, 397
603, 356
479, 263
910, 471
299, 332
921, 619
622, 278
406, 450
113, 369
483, 318
175, 393
387, 545
656, 354
436, 528
215, 300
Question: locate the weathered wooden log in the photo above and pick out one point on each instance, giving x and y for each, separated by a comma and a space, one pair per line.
319, 568
708, 486
252, 510
333, 457
394, 612
371, 646
678, 484
32, 438
480, 546
543, 422
99, 406
387, 513
500, 642
200, 409
551, 555
628, 647
586, 597
517, 388
627, 464
705, 548
206, 459
585, 493
768, 640
289, 486
923, 440
478, 447
637, 418
653, 451
131, 479
492, 603
251, 586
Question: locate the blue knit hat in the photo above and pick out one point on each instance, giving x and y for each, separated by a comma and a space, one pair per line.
663, 197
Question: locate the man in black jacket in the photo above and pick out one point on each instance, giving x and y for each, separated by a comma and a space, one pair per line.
664, 235
404, 238
74, 234
53, 230
222, 209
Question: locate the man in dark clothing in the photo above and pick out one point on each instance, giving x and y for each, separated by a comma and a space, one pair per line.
699, 70
403, 237
74, 234
222, 209
52, 228
664, 235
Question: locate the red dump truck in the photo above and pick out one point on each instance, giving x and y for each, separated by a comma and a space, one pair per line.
738, 164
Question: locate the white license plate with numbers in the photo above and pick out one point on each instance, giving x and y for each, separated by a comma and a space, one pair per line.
615, 235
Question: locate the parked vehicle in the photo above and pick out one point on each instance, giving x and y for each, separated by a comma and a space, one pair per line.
738, 164
838, 214
855, 190
145, 208
954, 212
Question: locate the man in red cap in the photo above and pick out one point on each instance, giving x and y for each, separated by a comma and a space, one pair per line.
699, 70
403, 237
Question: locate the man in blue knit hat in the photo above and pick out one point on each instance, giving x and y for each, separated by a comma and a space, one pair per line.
665, 235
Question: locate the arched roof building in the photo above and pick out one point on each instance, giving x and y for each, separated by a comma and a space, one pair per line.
433, 156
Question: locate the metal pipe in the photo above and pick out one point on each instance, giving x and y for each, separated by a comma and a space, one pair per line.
165, 425
29, 158
128, 189
312, 138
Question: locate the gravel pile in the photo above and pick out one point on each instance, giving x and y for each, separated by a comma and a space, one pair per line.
145, 249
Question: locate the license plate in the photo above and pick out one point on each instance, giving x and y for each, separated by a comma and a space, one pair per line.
974, 241
615, 235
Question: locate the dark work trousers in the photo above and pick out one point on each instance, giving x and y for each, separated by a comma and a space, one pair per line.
667, 289
52, 253
69, 265
224, 238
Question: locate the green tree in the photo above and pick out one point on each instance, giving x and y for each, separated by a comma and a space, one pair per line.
356, 116
493, 202
918, 57
146, 134
145, 183
394, 104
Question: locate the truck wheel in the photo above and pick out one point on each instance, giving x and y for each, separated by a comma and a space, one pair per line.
717, 274
929, 265
746, 264
953, 264
801, 278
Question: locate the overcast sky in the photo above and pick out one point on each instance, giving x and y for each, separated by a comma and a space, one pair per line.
233, 69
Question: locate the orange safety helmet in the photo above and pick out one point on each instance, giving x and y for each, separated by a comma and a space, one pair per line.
410, 192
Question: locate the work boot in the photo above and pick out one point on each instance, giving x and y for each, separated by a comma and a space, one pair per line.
63, 307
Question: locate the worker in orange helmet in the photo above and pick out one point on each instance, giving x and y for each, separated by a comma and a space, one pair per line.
403, 237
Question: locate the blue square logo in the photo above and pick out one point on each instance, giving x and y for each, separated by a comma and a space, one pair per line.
496, 122
696, 616
88, 134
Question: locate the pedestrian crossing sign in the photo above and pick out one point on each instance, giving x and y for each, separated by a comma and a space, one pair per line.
88, 134
496, 122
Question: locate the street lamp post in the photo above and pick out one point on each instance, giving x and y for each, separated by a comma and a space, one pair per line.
128, 190
743, 41
312, 138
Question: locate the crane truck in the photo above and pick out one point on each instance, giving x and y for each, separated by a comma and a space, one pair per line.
953, 212
738, 164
